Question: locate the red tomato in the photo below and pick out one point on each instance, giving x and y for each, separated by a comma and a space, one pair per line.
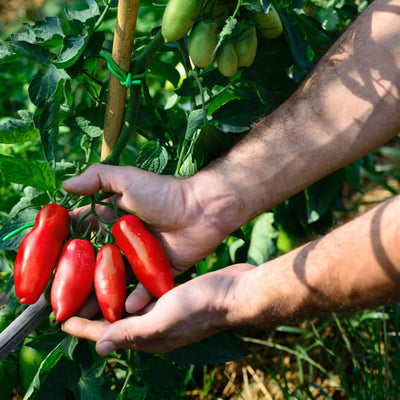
145, 254
73, 278
39, 251
110, 282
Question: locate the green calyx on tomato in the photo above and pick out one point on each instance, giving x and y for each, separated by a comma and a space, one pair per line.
227, 60
246, 47
179, 17
269, 25
202, 42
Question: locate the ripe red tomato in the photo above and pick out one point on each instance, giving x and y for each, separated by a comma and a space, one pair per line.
110, 282
73, 278
145, 254
39, 251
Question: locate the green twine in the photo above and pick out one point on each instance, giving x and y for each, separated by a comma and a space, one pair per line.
126, 79
18, 230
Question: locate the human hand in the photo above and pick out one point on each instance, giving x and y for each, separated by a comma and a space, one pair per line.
177, 212
190, 312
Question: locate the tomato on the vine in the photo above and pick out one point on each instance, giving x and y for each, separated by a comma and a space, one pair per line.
39, 251
246, 47
73, 278
227, 60
144, 253
110, 282
202, 42
269, 25
179, 17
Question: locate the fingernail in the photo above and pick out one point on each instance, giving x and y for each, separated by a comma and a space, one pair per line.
104, 348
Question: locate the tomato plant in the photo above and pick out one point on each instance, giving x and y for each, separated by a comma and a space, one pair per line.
187, 109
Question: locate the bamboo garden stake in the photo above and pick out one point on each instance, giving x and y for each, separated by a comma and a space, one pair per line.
121, 53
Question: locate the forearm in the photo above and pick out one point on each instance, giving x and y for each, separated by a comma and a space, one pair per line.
347, 107
355, 266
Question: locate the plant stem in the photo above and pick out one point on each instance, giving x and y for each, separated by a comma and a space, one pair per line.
138, 66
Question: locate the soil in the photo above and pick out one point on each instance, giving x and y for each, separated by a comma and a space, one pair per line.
17, 9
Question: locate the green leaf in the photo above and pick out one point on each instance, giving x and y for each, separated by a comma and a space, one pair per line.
262, 241
29, 50
90, 388
86, 17
74, 46
195, 121
68, 346
18, 130
189, 166
46, 92
44, 370
152, 157
226, 31
159, 67
7, 55
27, 172
47, 33
215, 349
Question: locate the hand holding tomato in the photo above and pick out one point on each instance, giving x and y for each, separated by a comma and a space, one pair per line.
183, 217
190, 312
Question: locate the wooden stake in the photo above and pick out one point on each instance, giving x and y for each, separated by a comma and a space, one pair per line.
121, 53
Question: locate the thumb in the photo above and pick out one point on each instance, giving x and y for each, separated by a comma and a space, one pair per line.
97, 177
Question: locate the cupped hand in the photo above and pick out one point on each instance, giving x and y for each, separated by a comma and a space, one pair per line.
190, 312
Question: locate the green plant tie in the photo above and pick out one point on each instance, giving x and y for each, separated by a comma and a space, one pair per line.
126, 79
18, 230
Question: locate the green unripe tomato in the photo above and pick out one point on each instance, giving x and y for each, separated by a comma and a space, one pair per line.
179, 17
29, 363
203, 39
269, 25
246, 47
227, 60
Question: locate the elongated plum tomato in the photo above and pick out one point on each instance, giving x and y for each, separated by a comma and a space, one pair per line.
227, 60
246, 47
269, 25
38, 253
179, 16
144, 253
203, 39
110, 282
73, 278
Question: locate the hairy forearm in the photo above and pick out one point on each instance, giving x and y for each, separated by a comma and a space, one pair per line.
347, 107
355, 266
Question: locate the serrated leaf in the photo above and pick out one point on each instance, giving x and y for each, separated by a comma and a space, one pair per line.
85, 126
262, 241
46, 92
27, 172
152, 157
195, 121
7, 55
74, 46
226, 31
18, 130
164, 69
189, 166
85, 18
29, 50
48, 32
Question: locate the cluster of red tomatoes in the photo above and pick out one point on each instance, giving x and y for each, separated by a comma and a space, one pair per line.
77, 267
203, 22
